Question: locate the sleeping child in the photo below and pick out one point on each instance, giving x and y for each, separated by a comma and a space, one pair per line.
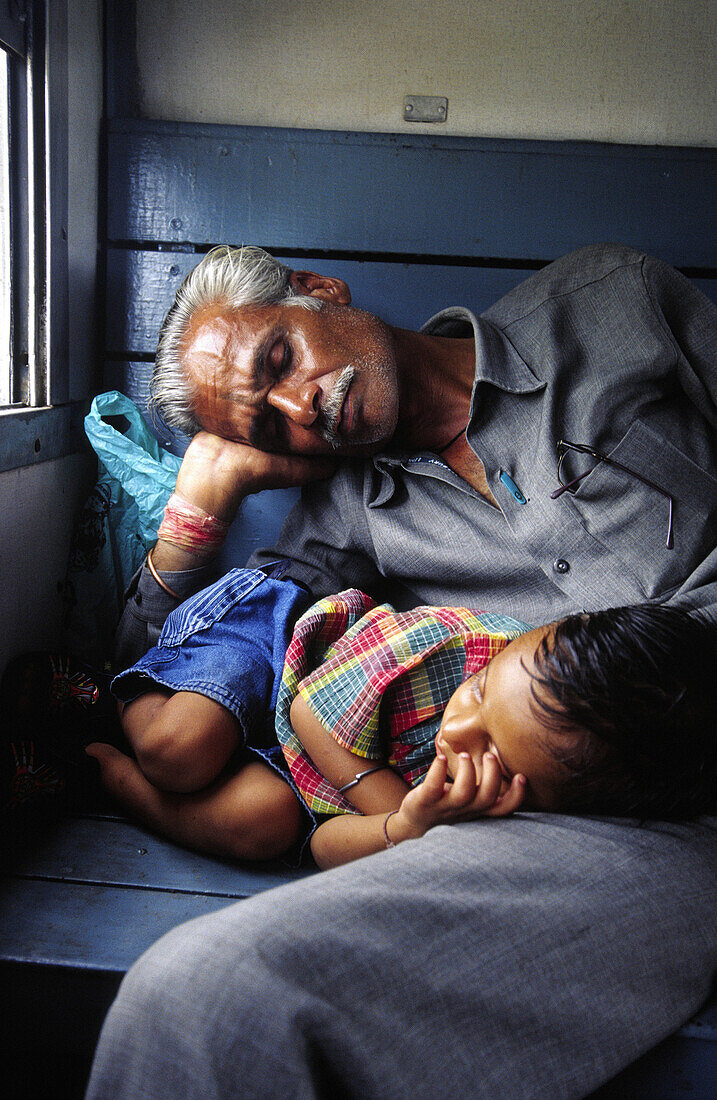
394, 722
438, 715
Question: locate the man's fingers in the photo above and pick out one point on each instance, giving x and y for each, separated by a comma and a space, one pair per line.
282, 471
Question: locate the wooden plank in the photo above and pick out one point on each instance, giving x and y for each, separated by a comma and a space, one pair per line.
142, 285
390, 193
119, 853
90, 927
31, 436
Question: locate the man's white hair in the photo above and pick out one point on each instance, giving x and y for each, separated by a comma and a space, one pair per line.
232, 277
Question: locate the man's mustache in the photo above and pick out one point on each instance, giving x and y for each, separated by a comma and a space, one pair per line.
330, 411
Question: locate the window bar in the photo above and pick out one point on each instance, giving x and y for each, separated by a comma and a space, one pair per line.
6, 264
37, 282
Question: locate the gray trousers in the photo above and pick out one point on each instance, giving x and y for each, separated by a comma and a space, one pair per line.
532, 956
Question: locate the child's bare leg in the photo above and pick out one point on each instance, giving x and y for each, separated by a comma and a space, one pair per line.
182, 740
252, 814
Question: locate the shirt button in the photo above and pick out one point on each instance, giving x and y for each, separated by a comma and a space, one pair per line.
138, 598
560, 565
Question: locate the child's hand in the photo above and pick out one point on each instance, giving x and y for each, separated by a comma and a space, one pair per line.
438, 802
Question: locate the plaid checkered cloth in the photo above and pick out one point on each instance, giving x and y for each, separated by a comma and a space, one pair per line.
379, 681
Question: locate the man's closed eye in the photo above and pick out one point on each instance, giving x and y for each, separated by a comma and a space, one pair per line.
280, 359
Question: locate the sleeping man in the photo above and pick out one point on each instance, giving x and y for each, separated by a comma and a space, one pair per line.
554, 455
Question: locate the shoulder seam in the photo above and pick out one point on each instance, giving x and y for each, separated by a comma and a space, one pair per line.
639, 259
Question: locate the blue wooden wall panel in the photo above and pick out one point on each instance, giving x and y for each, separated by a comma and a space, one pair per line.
388, 193
141, 286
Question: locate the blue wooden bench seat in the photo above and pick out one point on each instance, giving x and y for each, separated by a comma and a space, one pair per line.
80, 900
412, 225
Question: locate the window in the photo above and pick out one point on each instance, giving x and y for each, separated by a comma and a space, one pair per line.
33, 203
14, 206
5, 238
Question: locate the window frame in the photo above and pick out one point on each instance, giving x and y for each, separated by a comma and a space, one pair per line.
35, 426
7, 279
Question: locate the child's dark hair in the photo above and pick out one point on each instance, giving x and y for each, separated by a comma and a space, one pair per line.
642, 683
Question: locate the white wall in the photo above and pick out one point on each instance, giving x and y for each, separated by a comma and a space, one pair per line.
640, 71
39, 504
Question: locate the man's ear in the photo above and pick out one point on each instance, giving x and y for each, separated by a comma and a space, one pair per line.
321, 286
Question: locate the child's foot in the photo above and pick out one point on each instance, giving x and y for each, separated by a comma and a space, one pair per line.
123, 780
250, 814
162, 811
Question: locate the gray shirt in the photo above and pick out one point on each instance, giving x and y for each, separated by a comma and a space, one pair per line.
607, 348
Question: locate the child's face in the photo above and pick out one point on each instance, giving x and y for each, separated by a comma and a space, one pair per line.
494, 711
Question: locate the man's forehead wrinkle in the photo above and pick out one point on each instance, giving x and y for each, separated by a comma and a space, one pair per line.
208, 331
226, 354
242, 339
205, 351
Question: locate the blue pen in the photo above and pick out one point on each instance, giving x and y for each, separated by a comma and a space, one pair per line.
512, 487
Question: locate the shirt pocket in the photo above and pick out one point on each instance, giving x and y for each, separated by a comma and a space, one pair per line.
631, 519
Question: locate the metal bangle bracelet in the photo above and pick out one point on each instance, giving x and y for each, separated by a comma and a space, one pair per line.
162, 584
359, 776
389, 843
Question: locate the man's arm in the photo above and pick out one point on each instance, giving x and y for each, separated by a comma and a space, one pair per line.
216, 475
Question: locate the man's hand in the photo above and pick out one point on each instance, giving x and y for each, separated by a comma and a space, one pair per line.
438, 802
217, 474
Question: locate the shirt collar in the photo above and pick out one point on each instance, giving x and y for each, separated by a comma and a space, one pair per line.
497, 363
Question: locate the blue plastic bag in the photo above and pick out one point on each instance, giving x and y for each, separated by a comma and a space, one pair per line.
118, 523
